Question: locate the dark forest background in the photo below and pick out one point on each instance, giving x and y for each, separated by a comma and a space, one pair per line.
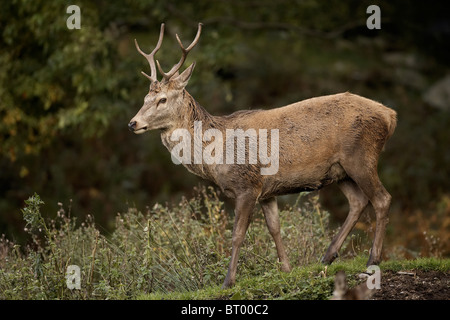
66, 97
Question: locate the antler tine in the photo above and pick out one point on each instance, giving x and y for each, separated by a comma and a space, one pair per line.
185, 52
150, 57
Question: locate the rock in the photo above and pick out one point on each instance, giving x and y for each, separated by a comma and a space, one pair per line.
402, 59
438, 95
409, 78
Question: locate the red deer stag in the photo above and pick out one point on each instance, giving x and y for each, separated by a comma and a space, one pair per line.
315, 142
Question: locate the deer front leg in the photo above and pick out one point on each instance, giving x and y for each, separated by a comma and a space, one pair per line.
243, 210
270, 210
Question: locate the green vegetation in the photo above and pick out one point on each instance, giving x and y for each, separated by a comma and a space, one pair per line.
178, 252
185, 247
309, 282
66, 97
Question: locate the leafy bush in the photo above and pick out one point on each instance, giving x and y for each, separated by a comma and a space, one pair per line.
184, 247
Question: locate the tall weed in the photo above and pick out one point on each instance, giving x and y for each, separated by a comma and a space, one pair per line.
181, 247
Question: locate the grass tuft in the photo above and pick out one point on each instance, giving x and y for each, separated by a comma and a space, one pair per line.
177, 252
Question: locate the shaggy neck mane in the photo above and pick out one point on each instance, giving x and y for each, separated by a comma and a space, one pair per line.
195, 112
192, 111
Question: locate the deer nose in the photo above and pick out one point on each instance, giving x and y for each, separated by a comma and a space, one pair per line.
132, 126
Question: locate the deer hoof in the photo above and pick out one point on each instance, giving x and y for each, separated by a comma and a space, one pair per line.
228, 283
285, 267
328, 259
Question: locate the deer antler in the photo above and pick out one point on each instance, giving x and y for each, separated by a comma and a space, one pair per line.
185, 52
150, 57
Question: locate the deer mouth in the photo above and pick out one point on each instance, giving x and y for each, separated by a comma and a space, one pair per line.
140, 130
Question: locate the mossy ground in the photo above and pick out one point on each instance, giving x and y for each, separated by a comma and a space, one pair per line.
312, 282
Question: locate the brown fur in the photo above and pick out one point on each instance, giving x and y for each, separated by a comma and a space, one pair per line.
336, 138
319, 138
315, 134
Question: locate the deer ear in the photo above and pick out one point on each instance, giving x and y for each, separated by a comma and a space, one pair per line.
182, 80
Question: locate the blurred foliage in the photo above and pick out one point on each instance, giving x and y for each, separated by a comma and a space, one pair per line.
66, 96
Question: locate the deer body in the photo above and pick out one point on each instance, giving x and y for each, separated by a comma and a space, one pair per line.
335, 138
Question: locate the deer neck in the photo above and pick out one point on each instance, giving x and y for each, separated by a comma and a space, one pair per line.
192, 117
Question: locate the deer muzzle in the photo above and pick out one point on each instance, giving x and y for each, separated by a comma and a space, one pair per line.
132, 126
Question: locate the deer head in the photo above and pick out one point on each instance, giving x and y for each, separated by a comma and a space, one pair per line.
161, 104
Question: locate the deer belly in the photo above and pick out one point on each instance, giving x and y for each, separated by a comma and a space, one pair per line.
302, 181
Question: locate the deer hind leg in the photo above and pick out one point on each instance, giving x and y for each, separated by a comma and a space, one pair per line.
381, 201
357, 202
366, 177
270, 210
243, 211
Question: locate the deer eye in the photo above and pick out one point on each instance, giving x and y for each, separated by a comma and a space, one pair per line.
162, 100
